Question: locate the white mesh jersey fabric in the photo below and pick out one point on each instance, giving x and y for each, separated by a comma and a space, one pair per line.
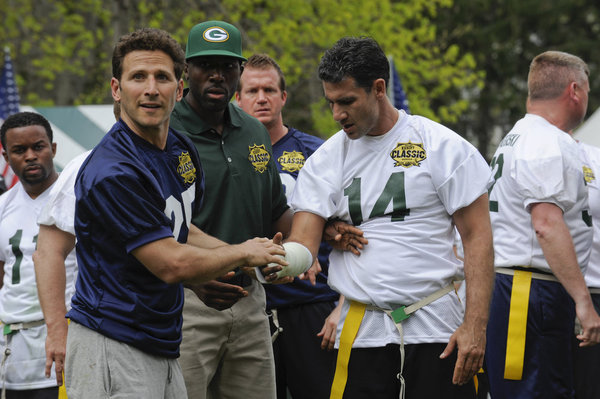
401, 189
526, 173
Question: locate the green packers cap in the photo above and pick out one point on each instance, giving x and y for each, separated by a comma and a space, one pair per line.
214, 38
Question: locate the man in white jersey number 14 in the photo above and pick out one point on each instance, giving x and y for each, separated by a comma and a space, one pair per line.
28, 148
405, 181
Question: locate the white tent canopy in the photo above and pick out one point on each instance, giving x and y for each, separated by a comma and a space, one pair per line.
76, 129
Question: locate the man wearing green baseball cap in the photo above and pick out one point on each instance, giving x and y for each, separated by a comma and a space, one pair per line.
226, 350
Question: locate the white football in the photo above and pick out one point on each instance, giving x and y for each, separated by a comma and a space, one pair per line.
299, 259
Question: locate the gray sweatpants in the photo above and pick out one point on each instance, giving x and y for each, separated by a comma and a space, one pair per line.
97, 367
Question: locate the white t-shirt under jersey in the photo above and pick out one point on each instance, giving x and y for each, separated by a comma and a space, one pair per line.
60, 211
591, 158
401, 189
537, 162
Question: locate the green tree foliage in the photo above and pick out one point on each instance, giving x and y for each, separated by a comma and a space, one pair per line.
62, 49
504, 36
57, 49
297, 33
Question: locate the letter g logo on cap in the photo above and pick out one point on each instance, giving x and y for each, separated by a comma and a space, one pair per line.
216, 34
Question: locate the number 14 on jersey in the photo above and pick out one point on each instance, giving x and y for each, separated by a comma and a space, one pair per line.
392, 192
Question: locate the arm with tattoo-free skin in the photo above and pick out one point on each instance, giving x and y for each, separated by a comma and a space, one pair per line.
53, 246
175, 262
216, 294
557, 245
473, 224
220, 295
308, 229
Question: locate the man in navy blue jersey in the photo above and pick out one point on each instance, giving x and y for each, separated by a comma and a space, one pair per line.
299, 311
136, 194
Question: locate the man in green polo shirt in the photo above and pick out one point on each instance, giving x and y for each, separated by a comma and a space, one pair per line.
226, 349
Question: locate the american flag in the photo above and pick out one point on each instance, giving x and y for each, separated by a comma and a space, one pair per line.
9, 104
395, 90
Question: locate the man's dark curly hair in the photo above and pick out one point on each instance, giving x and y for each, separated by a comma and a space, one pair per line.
149, 39
360, 58
22, 119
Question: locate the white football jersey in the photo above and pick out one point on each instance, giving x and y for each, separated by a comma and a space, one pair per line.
18, 237
60, 208
537, 162
401, 189
591, 172
60, 212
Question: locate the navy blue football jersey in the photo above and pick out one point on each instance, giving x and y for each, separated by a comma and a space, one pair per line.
290, 153
130, 193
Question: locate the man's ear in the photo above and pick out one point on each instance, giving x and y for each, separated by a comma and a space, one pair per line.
115, 89
379, 87
576, 89
179, 90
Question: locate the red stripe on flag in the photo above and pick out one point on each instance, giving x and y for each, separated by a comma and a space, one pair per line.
10, 179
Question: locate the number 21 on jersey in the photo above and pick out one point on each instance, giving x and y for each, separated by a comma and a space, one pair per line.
392, 192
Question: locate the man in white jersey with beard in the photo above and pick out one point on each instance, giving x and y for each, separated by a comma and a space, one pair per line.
542, 238
28, 148
405, 181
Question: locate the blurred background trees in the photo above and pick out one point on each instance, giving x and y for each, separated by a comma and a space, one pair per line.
462, 62
504, 36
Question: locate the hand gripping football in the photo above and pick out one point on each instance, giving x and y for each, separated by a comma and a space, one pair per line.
298, 257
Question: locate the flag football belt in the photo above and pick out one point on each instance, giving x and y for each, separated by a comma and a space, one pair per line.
350, 330
14, 327
517, 317
275, 321
594, 290
7, 331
